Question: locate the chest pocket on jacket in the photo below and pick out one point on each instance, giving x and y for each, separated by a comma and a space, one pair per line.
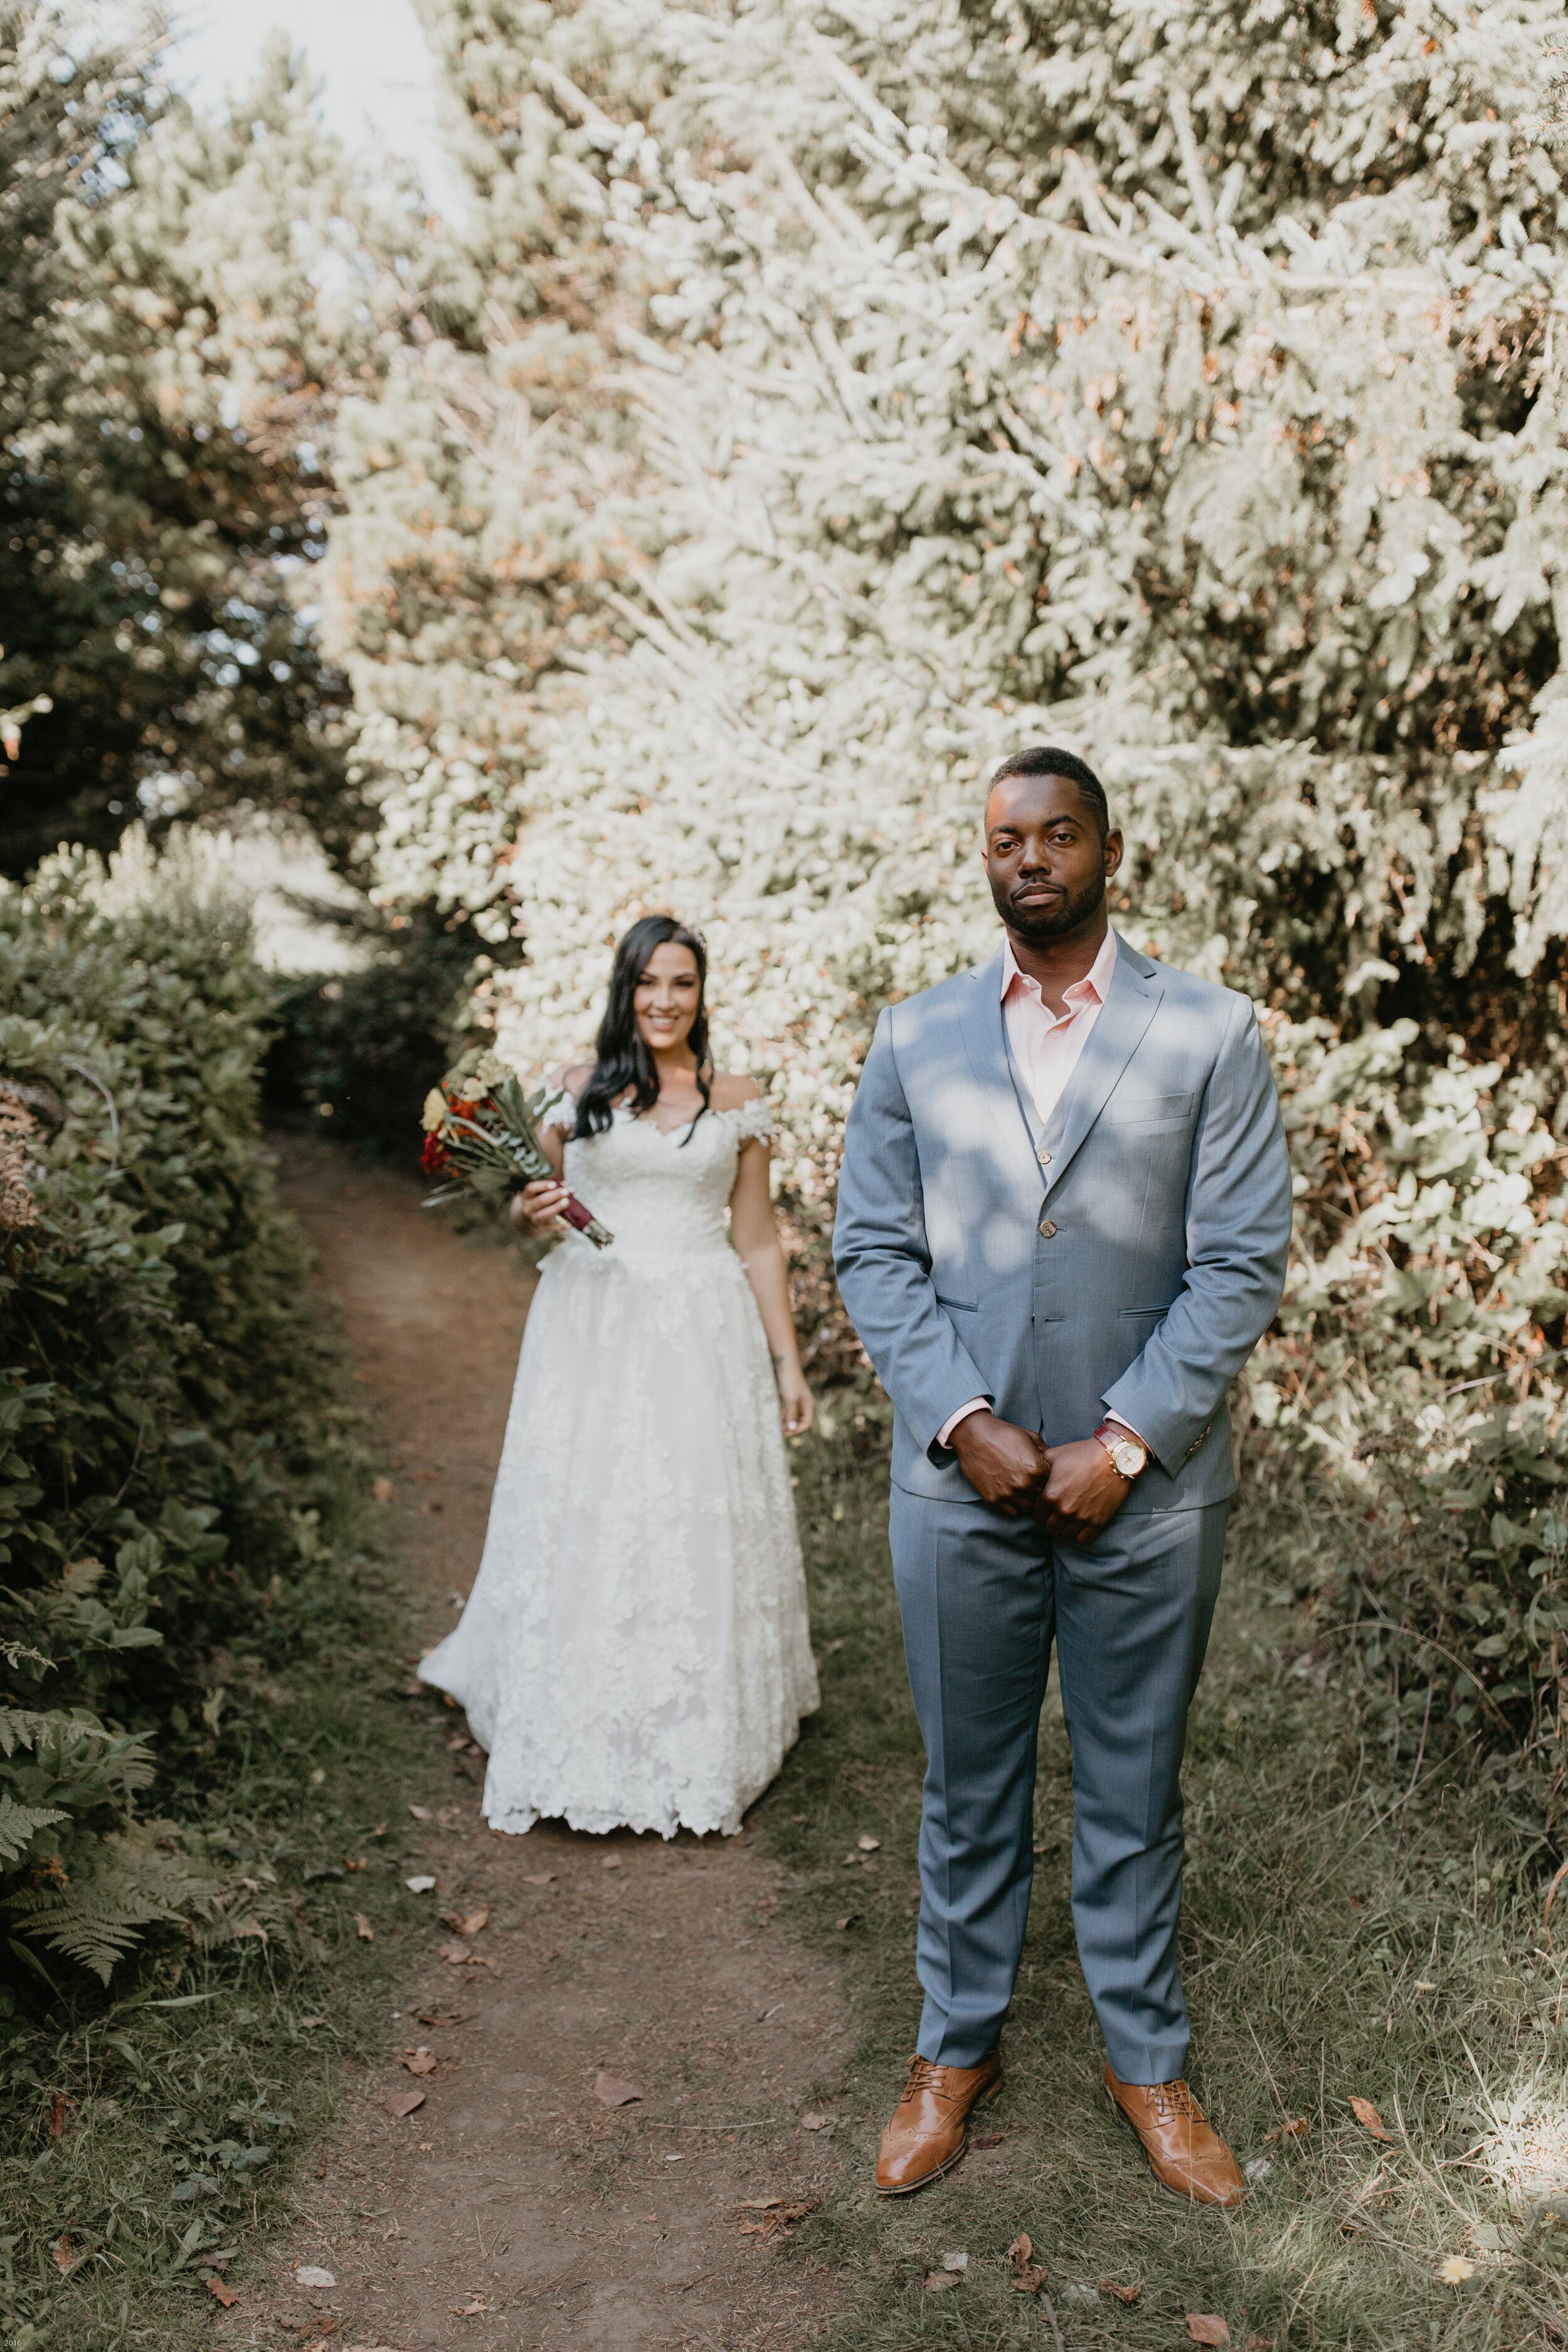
1151, 1114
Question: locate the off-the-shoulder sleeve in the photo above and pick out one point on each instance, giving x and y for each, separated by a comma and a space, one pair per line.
563, 1114
754, 1118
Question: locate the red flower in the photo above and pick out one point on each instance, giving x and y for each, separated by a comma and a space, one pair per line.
432, 1158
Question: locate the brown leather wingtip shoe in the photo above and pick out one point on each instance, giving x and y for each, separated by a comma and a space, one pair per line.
929, 2129
1189, 2157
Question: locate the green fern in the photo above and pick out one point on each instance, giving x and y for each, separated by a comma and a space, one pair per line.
94, 1906
20, 1823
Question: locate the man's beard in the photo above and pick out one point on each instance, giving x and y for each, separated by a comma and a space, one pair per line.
1036, 923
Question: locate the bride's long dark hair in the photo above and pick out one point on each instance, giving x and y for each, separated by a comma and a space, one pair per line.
622, 1060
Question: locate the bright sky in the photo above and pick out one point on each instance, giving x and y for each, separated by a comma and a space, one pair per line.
370, 53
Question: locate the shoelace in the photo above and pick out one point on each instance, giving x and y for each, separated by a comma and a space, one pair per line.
1173, 2101
926, 2075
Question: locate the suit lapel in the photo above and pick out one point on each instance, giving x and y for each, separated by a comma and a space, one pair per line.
1135, 990
987, 1049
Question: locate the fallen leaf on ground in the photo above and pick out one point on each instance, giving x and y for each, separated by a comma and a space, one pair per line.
778, 2217
363, 1929
443, 2017
312, 2274
1258, 2344
611, 1861
988, 2139
1365, 2113
1453, 2271
225, 2295
455, 1955
422, 1884
1127, 2294
419, 2062
1207, 2327
472, 1921
939, 2279
955, 2262
64, 2258
311, 2023
403, 2102
61, 2114
759, 2204
469, 2310
1027, 2275
383, 1490
869, 1844
613, 2094
422, 1812
1297, 2128
538, 1877
848, 1921
814, 2122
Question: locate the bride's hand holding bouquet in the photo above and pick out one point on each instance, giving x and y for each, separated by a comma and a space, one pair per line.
482, 1133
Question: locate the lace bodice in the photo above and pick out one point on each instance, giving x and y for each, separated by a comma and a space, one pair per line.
659, 1193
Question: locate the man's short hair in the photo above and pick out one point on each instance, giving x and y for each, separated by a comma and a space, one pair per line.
1041, 760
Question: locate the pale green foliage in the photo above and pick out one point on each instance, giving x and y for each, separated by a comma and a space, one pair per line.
1430, 1247
1030, 379
490, 484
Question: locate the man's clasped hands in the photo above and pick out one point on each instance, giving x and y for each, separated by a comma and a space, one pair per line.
1073, 1490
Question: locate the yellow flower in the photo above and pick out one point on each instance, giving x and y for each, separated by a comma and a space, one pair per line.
435, 1109
1455, 2270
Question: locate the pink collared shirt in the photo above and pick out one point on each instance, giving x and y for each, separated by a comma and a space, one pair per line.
1046, 1047
1045, 1044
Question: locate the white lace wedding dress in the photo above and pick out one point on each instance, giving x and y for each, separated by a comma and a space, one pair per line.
635, 1648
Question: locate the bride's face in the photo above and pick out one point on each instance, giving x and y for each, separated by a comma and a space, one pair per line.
667, 997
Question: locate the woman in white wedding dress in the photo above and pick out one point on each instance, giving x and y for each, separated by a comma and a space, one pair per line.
635, 1649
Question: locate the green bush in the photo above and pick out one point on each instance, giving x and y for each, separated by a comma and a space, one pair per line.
1414, 1379
358, 1050
162, 1401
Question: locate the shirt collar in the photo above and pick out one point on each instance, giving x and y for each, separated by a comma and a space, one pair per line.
1096, 981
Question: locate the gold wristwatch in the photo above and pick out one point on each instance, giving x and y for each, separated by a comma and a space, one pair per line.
1129, 1457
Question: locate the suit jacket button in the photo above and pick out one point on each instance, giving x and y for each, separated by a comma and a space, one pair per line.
1047, 1231
1043, 1158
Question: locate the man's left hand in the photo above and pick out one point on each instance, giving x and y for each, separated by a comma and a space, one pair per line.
1083, 1493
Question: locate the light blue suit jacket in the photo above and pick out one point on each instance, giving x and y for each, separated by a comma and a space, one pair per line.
1134, 1265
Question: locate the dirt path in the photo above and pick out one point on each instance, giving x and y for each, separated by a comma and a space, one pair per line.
514, 2208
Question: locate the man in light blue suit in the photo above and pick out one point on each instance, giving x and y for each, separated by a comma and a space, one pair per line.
1063, 1219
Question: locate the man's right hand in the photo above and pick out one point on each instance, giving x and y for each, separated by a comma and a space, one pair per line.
1007, 1466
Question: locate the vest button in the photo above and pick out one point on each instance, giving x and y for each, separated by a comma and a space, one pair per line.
1047, 1231
1043, 1158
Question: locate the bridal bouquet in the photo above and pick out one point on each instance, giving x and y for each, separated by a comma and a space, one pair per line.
481, 1132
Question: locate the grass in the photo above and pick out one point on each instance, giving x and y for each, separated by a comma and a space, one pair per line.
1323, 1899
149, 2145
1341, 1936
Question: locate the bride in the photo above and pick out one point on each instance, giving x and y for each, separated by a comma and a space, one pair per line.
635, 1648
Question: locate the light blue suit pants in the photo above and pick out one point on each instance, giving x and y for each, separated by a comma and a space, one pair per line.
982, 1597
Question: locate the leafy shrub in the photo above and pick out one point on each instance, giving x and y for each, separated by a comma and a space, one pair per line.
361, 1049
162, 1402
1414, 1374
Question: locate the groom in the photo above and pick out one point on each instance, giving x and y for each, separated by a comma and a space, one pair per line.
1062, 1227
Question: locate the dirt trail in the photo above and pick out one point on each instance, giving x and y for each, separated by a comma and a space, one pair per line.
513, 2209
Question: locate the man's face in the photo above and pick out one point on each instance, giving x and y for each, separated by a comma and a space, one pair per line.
1045, 860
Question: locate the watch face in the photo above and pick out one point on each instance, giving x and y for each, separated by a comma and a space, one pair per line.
1129, 1458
